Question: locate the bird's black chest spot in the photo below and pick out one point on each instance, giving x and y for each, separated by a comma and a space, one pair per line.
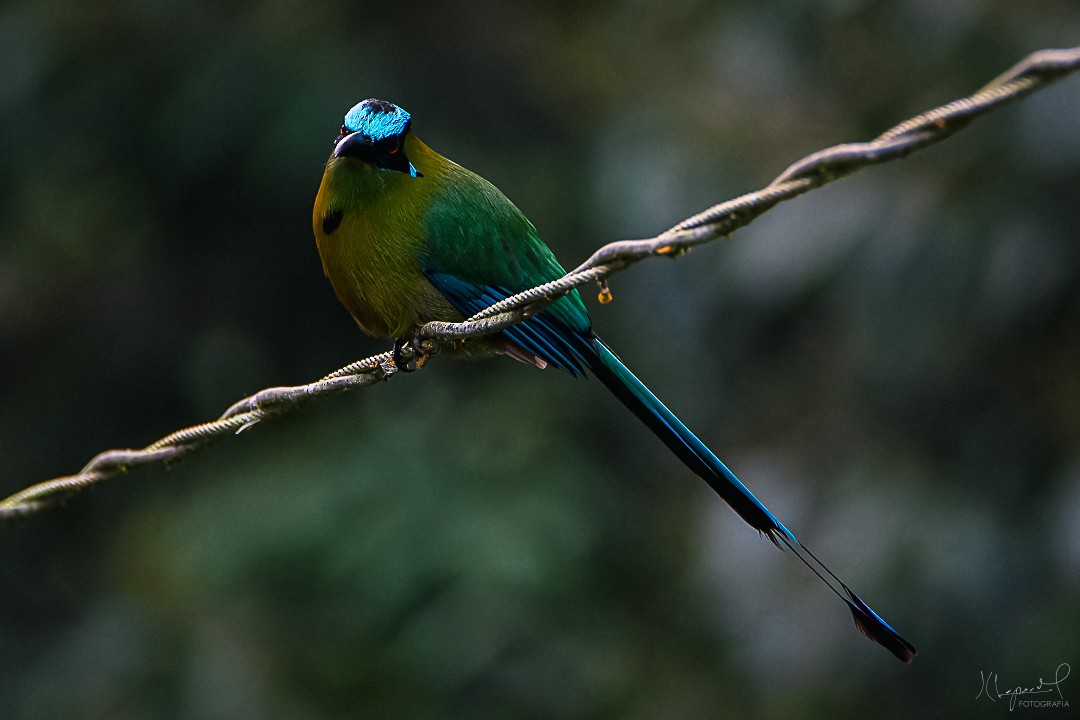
331, 220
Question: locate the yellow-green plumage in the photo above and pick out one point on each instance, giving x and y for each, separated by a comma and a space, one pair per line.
407, 236
393, 226
372, 257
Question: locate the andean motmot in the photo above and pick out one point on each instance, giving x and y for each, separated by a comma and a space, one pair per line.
407, 236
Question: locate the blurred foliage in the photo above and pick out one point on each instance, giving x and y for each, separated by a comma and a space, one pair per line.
892, 363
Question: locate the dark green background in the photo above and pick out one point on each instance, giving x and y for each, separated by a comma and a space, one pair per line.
892, 363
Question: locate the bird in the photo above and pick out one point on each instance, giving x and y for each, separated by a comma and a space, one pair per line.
407, 236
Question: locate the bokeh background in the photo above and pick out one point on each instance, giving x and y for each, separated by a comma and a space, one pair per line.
892, 363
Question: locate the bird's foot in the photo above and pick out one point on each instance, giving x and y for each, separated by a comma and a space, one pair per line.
409, 353
404, 358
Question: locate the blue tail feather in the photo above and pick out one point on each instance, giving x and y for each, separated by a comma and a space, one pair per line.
562, 337
650, 410
641, 401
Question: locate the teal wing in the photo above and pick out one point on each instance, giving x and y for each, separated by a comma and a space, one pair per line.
485, 250
481, 249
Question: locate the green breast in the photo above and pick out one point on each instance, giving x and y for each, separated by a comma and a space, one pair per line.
373, 257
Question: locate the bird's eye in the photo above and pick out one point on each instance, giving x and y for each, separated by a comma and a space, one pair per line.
394, 146
344, 131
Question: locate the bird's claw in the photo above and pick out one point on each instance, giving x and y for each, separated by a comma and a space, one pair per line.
406, 356
402, 363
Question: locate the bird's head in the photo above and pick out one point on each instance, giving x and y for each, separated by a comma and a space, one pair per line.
375, 133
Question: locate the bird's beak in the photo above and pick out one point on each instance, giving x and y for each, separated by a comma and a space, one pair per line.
362, 148
355, 145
